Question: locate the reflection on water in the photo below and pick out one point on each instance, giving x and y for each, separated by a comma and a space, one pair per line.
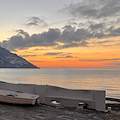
108, 80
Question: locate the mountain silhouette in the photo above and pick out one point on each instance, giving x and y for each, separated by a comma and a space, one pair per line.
10, 60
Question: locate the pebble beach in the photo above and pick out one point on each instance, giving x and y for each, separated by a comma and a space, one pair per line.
45, 112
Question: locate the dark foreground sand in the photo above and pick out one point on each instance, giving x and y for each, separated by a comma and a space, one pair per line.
44, 112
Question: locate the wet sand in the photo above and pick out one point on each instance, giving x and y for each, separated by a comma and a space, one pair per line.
44, 112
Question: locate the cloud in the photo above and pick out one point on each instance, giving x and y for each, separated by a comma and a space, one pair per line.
36, 21
73, 44
21, 41
94, 8
28, 55
89, 19
101, 18
23, 33
93, 60
36, 61
67, 37
15, 42
67, 56
96, 26
70, 34
40, 49
53, 53
115, 63
114, 31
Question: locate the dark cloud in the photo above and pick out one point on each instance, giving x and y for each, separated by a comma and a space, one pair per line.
70, 34
67, 56
115, 63
67, 37
93, 60
97, 18
39, 49
22, 32
36, 61
53, 53
96, 26
104, 30
100, 18
90, 19
28, 55
114, 31
19, 41
15, 42
48, 38
94, 8
36, 21
73, 44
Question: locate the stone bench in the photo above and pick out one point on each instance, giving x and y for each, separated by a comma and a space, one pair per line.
94, 99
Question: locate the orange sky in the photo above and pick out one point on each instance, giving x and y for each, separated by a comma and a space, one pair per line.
74, 33
80, 57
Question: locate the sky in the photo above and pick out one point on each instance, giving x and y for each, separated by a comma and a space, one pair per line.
65, 33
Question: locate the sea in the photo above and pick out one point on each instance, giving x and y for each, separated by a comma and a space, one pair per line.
72, 78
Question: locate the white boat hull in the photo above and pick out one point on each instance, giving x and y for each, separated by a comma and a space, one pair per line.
18, 98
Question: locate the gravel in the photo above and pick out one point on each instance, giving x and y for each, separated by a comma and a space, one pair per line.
44, 112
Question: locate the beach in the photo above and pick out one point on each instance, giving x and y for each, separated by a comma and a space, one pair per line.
45, 112
77, 79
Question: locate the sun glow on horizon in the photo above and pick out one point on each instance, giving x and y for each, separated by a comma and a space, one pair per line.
97, 57
66, 36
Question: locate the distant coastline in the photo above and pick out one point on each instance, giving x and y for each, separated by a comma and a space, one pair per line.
19, 68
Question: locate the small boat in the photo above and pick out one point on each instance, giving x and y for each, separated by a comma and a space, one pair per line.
18, 97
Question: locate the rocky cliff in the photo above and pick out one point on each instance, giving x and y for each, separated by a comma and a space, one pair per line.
10, 60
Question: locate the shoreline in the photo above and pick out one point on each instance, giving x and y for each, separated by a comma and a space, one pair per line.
110, 98
45, 112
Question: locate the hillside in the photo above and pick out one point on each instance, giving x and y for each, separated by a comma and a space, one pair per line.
10, 60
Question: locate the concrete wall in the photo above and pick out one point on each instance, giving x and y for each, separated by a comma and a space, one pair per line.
95, 99
26, 88
40, 90
69, 97
66, 93
100, 100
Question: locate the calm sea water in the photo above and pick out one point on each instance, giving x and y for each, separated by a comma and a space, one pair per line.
108, 80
